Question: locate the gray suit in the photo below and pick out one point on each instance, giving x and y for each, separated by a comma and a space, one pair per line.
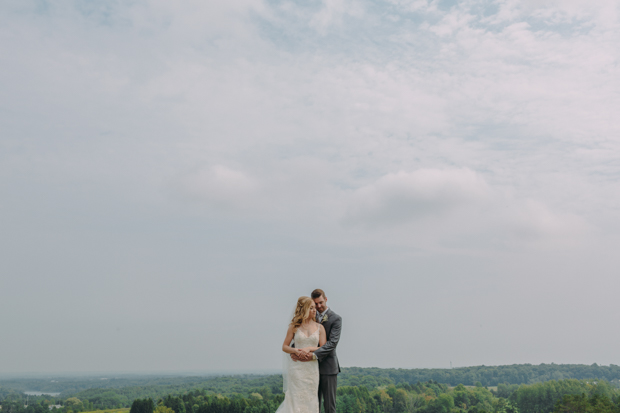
328, 361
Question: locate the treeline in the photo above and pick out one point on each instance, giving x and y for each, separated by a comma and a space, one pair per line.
557, 396
553, 396
486, 375
543, 397
508, 380
71, 385
242, 385
17, 403
200, 401
114, 390
8, 392
564, 396
354, 376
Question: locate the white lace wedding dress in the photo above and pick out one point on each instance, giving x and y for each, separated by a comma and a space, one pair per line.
302, 380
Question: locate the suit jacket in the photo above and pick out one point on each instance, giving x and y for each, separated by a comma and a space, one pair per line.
328, 360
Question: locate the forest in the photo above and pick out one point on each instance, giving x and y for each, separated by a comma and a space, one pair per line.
544, 388
492, 375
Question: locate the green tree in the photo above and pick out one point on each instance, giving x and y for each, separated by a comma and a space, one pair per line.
74, 404
175, 403
142, 406
399, 401
383, 400
162, 409
442, 404
580, 403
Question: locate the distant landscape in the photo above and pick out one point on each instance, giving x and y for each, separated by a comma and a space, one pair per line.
525, 388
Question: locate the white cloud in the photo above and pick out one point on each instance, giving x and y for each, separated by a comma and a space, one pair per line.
529, 221
332, 13
401, 197
457, 208
458, 136
220, 187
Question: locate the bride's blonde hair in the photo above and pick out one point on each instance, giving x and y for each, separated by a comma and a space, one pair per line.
302, 311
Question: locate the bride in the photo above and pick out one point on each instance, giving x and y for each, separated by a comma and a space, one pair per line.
301, 379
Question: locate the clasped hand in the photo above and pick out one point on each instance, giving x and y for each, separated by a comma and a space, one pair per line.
301, 354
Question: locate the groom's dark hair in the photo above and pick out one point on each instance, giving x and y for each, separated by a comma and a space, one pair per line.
317, 293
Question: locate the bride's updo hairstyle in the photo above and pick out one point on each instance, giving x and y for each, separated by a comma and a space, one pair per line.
302, 311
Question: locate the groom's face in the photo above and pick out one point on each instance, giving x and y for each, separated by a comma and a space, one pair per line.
321, 304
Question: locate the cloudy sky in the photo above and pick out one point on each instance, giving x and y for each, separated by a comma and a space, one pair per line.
174, 174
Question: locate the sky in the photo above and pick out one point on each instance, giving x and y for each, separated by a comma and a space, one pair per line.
174, 175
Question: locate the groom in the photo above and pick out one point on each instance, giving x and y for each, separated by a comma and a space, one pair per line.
326, 355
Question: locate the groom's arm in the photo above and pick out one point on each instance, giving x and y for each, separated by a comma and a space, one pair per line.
334, 336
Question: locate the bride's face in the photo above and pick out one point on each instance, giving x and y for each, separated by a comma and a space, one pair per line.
312, 314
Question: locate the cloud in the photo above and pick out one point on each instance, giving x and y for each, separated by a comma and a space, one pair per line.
531, 221
218, 186
340, 141
400, 197
332, 13
458, 209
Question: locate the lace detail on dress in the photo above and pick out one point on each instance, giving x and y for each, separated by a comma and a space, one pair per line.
303, 380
